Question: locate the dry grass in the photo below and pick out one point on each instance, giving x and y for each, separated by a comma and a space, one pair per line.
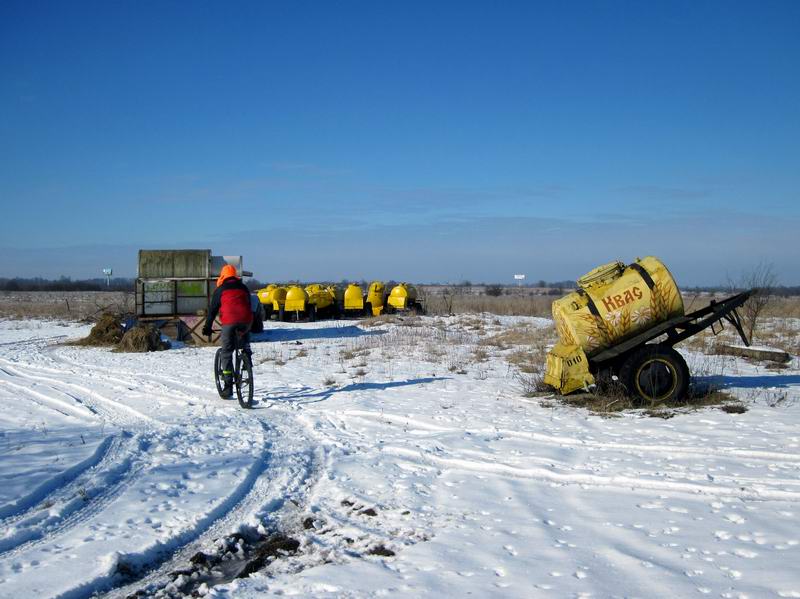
106, 331
783, 307
273, 355
480, 355
778, 326
614, 402
521, 335
442, 302
142, 338
82, 306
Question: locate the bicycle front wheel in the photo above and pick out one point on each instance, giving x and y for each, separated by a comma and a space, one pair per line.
219, 378
244, 379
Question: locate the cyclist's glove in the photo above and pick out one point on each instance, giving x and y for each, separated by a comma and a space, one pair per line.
206, 331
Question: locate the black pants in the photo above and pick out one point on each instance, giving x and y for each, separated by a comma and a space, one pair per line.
228, 338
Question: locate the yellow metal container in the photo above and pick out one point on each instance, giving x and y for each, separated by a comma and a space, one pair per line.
402, 297
319, 296
567, 369
278, 297
614, 302
296, 299
337, 293
353, 297
376, 297
265, 294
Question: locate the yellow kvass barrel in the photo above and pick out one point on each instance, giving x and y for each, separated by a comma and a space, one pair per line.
278, 297
614, 302
296, 298
353, 297
402, 295
265, 294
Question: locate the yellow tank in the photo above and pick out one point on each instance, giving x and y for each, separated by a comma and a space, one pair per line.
264, 294
296, 299
337, 293
403, 297
613, 302
376, 298
319, 296
278, 298
353, 297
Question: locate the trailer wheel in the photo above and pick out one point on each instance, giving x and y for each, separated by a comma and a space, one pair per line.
368, 309
311, 312
655, 373
281, 314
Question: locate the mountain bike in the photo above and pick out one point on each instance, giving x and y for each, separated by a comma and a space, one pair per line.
242, 372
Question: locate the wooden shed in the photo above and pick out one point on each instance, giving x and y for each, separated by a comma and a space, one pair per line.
174, 288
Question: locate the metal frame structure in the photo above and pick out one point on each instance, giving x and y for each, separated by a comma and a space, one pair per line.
680, 328
164, 296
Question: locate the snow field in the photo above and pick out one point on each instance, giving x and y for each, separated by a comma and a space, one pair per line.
369, 441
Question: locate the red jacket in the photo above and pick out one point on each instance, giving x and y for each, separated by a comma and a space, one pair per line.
232, 301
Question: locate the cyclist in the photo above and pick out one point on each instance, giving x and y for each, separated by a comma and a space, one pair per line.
231, 300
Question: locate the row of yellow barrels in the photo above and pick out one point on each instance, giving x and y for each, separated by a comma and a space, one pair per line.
318, 301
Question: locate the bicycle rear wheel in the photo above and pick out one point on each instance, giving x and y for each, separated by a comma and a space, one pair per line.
219, 378
244, 379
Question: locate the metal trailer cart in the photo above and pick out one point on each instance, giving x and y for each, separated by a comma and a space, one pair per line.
655, 371
174, 289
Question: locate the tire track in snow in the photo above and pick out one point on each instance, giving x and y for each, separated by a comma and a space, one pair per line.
188, 389
75, 496
279, 481
66, 408
10, 512
115, 411
34, 341
620, 482
671, 450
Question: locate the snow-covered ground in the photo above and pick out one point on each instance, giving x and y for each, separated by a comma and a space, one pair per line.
116, 469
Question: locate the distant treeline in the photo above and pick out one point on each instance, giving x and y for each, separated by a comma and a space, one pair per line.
65, 284
778, 290
124, 284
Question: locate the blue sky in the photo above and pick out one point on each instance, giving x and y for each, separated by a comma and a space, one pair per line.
428, 141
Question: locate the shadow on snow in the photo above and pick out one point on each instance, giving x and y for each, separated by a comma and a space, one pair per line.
307, 394
750, 382
297, 334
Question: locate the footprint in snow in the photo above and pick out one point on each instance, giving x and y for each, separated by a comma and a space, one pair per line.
510, 549
735, 518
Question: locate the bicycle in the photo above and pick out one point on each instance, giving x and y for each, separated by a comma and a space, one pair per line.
242, 373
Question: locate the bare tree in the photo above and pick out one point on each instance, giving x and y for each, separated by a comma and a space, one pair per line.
763, 279
448, 295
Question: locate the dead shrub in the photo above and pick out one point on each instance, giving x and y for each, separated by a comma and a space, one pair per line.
106, 331
480, 355
533, 384
142, 338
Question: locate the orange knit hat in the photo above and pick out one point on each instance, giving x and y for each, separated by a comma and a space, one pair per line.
227, 272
